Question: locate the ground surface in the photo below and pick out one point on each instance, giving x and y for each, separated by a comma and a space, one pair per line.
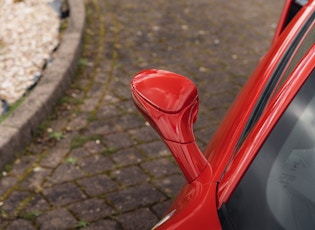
95, 164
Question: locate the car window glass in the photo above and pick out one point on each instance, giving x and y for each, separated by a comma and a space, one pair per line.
278, 189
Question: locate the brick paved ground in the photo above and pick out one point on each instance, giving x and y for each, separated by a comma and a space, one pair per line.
95, 164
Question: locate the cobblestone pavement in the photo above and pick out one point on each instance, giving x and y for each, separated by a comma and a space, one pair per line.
95, 164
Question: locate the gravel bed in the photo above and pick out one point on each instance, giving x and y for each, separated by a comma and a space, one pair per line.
29, 33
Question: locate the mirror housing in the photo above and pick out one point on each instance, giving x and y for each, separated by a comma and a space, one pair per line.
170, 102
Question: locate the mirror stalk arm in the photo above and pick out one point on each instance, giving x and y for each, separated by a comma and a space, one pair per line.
189, 158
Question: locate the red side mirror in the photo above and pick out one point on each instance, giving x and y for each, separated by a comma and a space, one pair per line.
169, 102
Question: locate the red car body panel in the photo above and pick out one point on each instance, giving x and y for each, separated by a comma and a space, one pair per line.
213, 178
195, 206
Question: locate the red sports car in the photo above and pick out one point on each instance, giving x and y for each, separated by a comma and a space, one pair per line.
258, 170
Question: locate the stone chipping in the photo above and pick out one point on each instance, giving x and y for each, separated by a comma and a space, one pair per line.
29, 33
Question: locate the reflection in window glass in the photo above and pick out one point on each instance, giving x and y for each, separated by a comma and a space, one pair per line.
291, 182
278, 189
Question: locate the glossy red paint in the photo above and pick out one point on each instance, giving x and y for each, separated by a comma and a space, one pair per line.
195, 206
170, 104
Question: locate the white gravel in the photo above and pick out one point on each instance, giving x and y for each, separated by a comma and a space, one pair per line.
29, 32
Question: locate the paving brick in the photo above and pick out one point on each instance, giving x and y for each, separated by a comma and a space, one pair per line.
123, 94
20, 224
203, 135
97, 185
128, 156
118, 140
111, 99
67, 171
128, 121
135, 197
161, 208
63, 194
101, 77
103, 224
95, 164
130, 176
144, 134
155, 149
160, 167
139, 219
65, 141
89, 105
107, 111
77, 123
53, 157
91, 209
94, 147
79, 153
170, 185
56, 219
129, 107
102, 127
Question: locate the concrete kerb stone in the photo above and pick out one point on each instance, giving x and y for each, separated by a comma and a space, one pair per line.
18, 128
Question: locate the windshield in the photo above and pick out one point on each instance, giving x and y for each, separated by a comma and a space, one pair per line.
278, 189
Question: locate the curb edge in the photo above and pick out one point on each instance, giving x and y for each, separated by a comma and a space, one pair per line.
17, 130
